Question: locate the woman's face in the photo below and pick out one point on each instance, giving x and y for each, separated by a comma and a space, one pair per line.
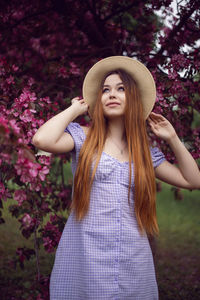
113, 96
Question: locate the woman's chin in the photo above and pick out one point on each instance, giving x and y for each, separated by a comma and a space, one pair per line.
113, 115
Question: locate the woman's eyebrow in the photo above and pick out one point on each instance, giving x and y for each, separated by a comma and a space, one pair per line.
107, 85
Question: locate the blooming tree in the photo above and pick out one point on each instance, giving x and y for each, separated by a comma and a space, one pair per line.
46, 48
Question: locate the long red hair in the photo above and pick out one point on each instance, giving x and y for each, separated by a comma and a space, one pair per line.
139, 154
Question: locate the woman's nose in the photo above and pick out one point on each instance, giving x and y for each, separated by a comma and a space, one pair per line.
112, 93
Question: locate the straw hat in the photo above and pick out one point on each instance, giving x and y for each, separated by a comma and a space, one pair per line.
136, 69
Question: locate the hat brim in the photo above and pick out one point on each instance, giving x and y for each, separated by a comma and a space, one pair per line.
140, 74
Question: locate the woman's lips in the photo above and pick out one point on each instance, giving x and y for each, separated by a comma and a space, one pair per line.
113, 104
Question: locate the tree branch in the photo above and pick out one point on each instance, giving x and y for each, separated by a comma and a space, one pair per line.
29, 17
121, 10
37, 252
174, 31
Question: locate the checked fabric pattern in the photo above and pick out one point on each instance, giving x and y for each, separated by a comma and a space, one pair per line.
104, 257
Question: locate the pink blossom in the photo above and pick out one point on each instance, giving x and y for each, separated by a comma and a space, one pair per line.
48, 244
30, 172
15, 68
22, 257
14, 126
5, 157
52, 240
27, 116
51, 235
2, 190
33, 169
2, 72
39, 297
89, 16
20, 196
26, 169
74, 69
35, 44
3, 61
27, 221
18, 14
43, 172
45, 100
64, 193
35, 186
10, 80
15, 113
166, 30
31, 81
46, 160
179, 61
59, 96
4, 123
63, 72
172, 75
25, 98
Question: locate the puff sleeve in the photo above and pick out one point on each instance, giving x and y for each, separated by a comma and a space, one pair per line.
78, 135
157, 157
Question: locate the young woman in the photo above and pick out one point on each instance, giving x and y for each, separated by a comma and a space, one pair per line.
104, 251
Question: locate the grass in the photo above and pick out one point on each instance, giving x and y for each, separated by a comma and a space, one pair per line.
177, 257
12, 278
178, 219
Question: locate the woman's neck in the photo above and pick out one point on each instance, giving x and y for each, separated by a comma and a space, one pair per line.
116, 129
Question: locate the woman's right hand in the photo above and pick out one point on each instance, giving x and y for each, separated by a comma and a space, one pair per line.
79, 105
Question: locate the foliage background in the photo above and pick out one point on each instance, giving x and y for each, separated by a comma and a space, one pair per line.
46, 49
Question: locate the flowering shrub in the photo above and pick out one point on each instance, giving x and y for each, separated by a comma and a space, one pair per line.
45, 52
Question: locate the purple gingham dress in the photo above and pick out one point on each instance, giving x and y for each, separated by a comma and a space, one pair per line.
104, 257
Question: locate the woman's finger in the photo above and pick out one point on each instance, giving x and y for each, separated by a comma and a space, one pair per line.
158, 116
74, 99
153, 119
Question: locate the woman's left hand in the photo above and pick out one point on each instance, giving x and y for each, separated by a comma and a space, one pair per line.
161, 127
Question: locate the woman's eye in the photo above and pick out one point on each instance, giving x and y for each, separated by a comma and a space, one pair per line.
105, 90
121, 88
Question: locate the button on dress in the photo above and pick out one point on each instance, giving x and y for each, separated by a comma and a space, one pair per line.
104, 257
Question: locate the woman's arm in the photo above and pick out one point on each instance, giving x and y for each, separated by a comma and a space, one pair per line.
187, 174
51, 137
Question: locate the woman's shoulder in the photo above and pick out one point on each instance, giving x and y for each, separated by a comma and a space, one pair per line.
85, 129
78, 133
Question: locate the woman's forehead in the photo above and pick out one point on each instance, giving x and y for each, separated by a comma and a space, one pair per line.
112, 79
